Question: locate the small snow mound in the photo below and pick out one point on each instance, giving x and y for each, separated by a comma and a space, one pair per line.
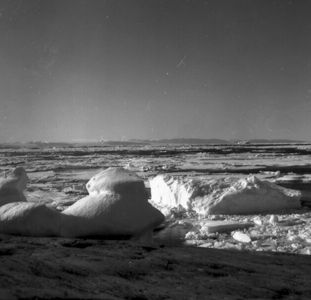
12, 185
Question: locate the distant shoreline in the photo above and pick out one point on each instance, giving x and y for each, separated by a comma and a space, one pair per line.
146, 142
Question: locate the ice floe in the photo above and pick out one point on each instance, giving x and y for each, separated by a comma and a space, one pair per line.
246, 196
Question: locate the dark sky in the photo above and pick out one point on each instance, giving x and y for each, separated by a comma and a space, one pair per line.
149, 69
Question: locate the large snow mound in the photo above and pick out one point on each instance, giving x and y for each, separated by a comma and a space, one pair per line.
245, 196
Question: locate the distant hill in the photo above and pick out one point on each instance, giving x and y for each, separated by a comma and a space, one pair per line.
275, 141
189, 141
146, 142
263, 141
183, 141
125, 143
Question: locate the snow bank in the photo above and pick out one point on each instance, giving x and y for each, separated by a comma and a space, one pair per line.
245, 196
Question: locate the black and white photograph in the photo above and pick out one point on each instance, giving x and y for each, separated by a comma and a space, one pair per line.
155, 149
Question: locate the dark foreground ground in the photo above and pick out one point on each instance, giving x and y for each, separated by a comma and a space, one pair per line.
55, 268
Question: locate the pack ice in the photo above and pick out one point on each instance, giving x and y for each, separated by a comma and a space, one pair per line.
245, 196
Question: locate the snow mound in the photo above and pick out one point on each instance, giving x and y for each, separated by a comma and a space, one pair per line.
117, 206
245, 196
12, 185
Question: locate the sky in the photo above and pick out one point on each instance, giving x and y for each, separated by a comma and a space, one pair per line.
90, 70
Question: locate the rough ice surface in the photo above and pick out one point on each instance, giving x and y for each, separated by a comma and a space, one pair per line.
268, 232
245, 196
